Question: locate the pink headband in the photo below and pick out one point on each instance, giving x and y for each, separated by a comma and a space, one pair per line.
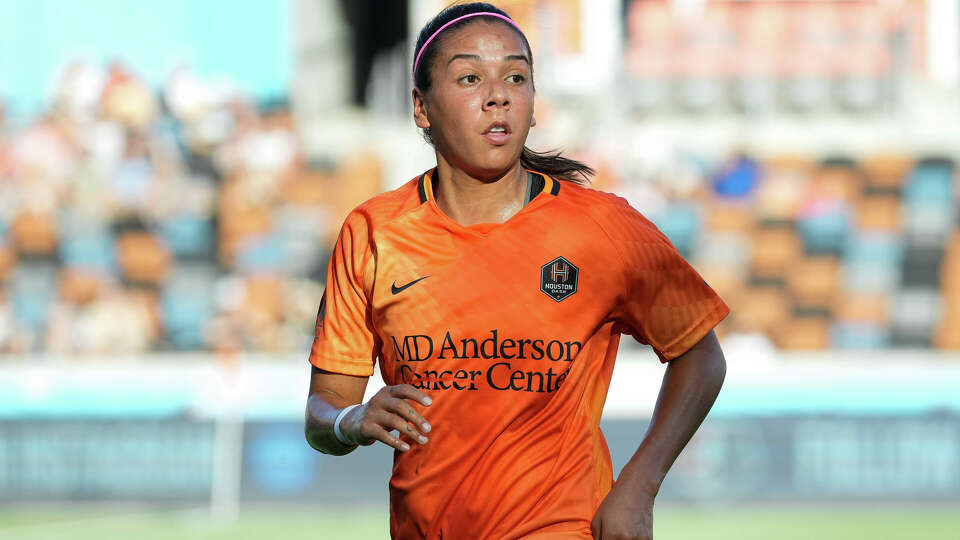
458, 19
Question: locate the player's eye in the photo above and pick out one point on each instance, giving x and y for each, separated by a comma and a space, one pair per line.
516, 78
469, 79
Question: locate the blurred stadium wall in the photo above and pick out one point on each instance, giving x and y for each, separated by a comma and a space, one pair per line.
172, 177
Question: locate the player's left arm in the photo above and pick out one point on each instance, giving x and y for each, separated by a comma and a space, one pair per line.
689, 388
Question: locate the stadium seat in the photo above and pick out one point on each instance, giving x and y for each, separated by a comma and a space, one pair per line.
237, 223
930, 182
780, 195
803, 333
775, 252
929, 203
265, 297
80, 287
814, 281
825, 229
859, 335
681, 223
762, 309
861, 321
950, 267
928, 223
34, 234
872, 262
921, 266
724, 251
33, 290
188, 236
879, 213
88, 250
8, 260
185, 314
867, 278
260, 254
725, 217
187, 304
885, 173
863, 307
915, 315
947, 335
143, 258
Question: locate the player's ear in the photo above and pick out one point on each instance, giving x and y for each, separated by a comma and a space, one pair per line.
420, 110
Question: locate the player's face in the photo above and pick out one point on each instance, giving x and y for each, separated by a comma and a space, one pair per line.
480, 104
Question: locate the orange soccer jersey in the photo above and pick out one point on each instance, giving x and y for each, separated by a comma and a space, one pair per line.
512, 328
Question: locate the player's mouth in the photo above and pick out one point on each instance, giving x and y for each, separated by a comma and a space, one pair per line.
498, 133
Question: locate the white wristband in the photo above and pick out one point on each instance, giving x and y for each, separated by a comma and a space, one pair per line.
336, 425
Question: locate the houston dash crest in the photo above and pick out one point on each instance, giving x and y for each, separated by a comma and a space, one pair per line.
558, 278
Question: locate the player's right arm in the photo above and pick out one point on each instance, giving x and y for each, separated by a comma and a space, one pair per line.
389, 409
343, 356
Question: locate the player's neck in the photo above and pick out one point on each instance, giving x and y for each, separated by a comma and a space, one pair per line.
469, 200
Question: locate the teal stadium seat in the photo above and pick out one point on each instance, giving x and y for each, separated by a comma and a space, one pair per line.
872, 262
33, 290
88, 250
681, 223
859, 335
825, 231
184, 318
188, 236
260, 254
930, 204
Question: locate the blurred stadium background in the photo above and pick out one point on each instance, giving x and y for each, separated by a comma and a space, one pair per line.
173, 175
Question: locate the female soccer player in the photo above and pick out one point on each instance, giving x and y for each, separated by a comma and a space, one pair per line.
493, 290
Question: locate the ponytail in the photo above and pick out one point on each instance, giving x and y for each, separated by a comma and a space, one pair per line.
553, 164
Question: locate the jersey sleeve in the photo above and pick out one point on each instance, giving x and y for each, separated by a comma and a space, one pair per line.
345, 340
666, 304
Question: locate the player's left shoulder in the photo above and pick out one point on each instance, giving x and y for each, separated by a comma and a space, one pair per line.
597, 203
588, 197
611, 212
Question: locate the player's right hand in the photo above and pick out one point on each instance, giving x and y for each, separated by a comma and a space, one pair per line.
389, 409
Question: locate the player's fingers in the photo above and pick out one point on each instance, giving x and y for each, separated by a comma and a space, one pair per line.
377, 432
400, 424
408, 391
403, 408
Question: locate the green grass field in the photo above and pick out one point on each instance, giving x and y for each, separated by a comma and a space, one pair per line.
671, 522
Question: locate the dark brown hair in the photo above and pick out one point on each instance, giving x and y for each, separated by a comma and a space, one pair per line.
549, 162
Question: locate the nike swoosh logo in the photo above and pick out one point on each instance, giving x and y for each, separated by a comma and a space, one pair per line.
395, 290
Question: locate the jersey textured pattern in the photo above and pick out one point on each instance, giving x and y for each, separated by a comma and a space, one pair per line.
512, 328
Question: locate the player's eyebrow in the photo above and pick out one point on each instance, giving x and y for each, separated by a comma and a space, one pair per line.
463, 57
508, 57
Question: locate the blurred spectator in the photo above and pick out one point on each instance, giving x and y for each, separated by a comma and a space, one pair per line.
190, 219
77, 94
127, 100
737, 178
125, 229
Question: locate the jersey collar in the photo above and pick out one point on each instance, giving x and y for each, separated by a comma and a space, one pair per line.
539, 183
